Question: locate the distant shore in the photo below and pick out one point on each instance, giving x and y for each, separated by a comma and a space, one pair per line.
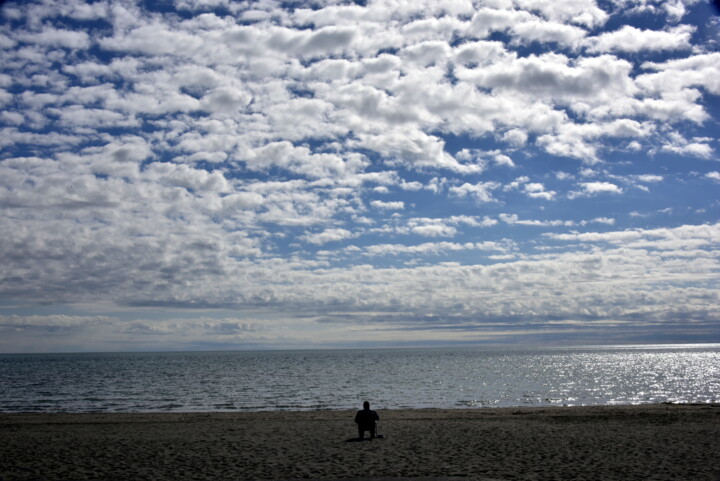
659, 442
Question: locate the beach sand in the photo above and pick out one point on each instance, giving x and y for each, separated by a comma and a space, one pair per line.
649, 442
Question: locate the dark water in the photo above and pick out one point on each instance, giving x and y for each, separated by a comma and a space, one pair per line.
342, 379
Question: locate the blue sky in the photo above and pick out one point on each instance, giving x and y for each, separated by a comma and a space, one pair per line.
246, 175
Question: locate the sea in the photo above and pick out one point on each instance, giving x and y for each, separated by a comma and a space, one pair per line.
234, 381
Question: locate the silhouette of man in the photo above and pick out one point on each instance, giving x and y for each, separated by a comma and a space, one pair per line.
366, 420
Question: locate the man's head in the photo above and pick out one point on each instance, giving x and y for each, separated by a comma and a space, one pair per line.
366, 405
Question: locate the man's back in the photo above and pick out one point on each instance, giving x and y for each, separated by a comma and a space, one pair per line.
366, 421
366, 418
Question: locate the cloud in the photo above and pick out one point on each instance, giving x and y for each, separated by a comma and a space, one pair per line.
534, 190
432, 227
513, 219
558, 77
435, 227
581, 12
649, 178
328, 235
631, 39
580, 140
482, 192
677, 74
603, 220
326, 40
525, 26
682, 146
381, 205
436, 248
371, 158
154, 38
57, 38
662, 239
515, 137
57, 321
590, 189
537, 191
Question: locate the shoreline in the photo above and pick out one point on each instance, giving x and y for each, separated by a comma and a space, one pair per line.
647, 441
473, 408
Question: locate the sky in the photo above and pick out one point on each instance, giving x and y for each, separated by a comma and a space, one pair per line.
211, 174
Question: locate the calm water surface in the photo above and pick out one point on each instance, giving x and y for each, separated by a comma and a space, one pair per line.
341, 379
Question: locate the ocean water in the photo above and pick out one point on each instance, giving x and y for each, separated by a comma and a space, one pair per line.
342, 379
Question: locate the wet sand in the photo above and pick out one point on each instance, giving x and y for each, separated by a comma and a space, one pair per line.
650, 442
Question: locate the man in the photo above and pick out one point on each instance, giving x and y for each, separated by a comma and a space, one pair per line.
366, 421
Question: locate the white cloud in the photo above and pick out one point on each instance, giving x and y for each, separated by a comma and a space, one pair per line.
603, 220
324, 41
197, 158
581, 12
537, 30
242, 201
436, 227
84, 11
225, 99
695, 149
515, 137
663, 238
524, 25
154, 38
631, 39
581, 140
431, 248
514, 219
328, 235
650, 178
702, 70
504, 160
533, 190
183, 176
482, 191
426, 54
58, 38
558, 77
537, 191
434, 230
474, 221
381, 205
595, 188
417, 150
600, 187
479, 53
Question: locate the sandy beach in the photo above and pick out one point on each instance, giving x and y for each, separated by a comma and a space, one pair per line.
650, 442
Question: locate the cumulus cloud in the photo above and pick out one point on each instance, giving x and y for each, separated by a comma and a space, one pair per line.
482, 192
328, 235
514, 219
631, 39
259, 157
431, 248
57, 38
650, 178
677, 74
685, 147
379, 204
589, 189
432, 227
534, 190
